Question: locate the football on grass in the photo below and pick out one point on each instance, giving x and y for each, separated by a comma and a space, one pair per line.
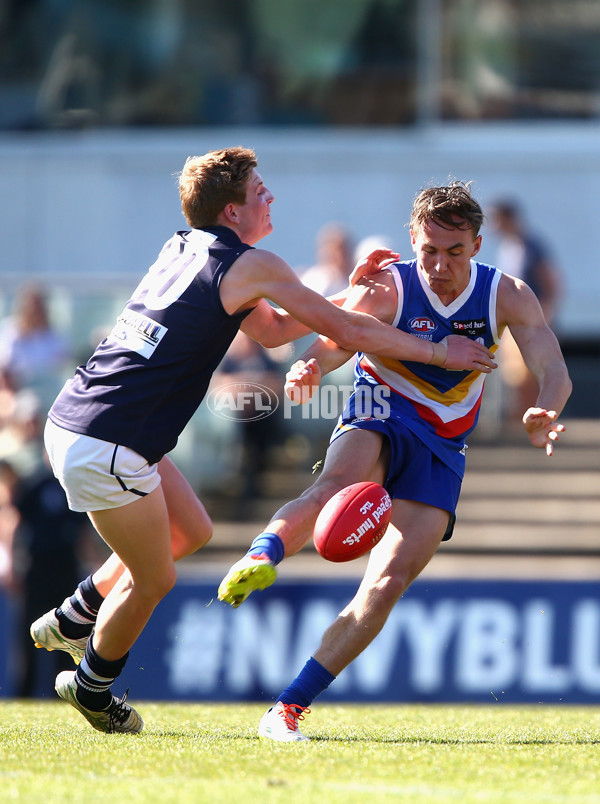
352, 522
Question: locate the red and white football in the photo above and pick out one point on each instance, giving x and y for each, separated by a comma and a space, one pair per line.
352, 521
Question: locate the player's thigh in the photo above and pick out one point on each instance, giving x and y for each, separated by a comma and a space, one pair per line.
356, 455
410, 542
191, 526
139, 534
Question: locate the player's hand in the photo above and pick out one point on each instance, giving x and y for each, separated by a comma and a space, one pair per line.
466, 354
302, 380
542, 428
373, 263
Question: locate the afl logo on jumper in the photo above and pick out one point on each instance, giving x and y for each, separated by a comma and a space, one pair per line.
422, 325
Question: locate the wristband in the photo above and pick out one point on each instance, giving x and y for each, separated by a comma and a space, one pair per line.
439, 353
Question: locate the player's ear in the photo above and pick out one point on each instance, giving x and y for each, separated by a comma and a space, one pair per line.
230, 213
476, 245
413, 240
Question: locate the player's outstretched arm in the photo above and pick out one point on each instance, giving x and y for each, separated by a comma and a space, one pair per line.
324, 355
520, 310
258, 274
275, 326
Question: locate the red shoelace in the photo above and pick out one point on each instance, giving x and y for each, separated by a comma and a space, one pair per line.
292, 713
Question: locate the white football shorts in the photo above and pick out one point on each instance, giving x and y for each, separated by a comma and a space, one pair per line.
95, 474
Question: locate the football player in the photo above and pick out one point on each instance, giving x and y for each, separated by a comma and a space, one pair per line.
415, 443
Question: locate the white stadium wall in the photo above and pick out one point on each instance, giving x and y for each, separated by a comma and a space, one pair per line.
93, 208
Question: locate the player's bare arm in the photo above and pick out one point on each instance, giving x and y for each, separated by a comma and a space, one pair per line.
519, 310
375, 295
274, 326
261, 274
304, 376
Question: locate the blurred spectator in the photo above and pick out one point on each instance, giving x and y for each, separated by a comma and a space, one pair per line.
525, 255
32, 352
8, 401
337, 255
259, 423
40, 538
21, 433
331, 272
335, 261
9, 519
47, 551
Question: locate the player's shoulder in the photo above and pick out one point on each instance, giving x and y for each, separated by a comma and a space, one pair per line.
512, 286
258, 262
261, 257
381, 282
375, 294
515, 298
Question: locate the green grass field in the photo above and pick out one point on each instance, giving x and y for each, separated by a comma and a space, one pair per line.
193, 753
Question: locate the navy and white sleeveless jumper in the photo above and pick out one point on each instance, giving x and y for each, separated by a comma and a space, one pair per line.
149, 375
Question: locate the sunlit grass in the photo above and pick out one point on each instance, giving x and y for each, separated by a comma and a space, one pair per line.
211, 753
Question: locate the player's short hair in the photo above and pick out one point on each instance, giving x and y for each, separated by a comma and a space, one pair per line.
445, 205
208, 183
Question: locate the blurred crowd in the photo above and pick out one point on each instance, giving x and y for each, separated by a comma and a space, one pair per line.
42, 542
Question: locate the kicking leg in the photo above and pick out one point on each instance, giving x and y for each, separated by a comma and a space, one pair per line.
292, 525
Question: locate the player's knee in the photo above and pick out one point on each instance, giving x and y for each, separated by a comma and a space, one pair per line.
201, 539
166, 582
197, 537
160, 584
148, 589
185, 541
321, 492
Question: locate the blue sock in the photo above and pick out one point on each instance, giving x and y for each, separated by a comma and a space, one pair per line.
270, 544
312, 680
